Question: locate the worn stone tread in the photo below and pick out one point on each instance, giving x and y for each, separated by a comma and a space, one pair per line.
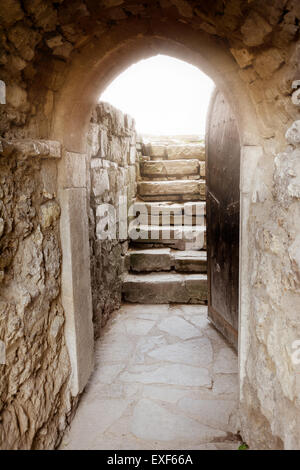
159, 288
164, 168
163, 259
187, 188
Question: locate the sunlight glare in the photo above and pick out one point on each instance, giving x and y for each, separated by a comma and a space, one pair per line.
165, 96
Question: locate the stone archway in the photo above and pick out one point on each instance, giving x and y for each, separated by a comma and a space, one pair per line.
77, 98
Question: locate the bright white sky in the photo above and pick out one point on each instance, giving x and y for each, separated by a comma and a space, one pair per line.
164, 95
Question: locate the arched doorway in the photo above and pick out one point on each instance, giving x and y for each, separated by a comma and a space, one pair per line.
90, 72
251, 52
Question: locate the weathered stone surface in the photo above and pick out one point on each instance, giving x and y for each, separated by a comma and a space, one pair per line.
157, 151
176, 326
190, 261
72, 171
287, 176
202, 169
2, 92
243, 57
269, 402
268, 62
50, 212
144, 373
213, 413
35, 376
165, 288
77, 302
255, 29
196, 353
165, 426
139, 327
175, 374
11, 12
31, 148
189, 151
108, 411
170, 168
168, 188
293, 133
150, 260
226, 384
111, 156
163, 393
226, 361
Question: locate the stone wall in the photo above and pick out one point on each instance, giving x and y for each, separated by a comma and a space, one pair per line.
112, 160
36, 394
55, 59
35, 397
270, 387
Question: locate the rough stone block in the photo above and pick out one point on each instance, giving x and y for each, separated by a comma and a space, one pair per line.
190, 261
293, 133
49, 178
2, 92
32, 148
268, 62
186, 151
150, 260
72, 171
49, 213
202, 169
255, 29
100, 182
179, 168
157, 151
168, 188
162, 288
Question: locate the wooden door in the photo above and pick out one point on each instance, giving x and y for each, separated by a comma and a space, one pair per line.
223, 210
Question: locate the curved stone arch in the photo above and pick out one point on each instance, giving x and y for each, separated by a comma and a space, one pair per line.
98, 63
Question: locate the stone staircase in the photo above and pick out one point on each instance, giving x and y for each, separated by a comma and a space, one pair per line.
167, 260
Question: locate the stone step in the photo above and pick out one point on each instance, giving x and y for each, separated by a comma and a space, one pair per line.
164, 213
190, 261
170, 168
181, 238
186, 151
163, 259
163, 288
149, 260
176, 151
172, 190
172, 178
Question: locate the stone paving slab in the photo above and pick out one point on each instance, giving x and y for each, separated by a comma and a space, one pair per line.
158, 384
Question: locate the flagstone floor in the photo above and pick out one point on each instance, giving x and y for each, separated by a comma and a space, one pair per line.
164, 379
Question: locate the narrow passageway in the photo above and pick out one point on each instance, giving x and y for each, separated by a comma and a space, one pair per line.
164, 379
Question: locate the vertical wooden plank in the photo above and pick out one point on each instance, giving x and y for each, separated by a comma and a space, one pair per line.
223, 207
